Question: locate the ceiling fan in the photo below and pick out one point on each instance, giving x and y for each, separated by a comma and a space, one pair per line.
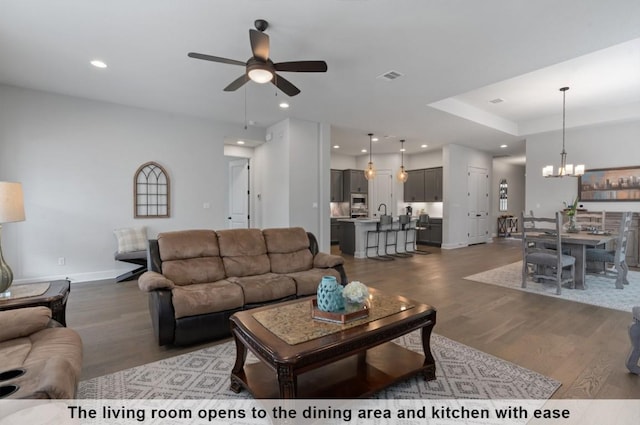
260, 68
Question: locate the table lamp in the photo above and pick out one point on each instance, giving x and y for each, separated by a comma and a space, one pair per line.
11, 209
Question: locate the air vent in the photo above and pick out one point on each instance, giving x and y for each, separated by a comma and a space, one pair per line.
496, 100
390, 75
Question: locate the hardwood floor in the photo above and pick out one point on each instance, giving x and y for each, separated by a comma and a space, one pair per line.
583, 346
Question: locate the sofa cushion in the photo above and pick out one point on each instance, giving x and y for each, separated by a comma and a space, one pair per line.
265, 288
288, 249
285, 240
202, 298
307, 281
243, 252
191, 256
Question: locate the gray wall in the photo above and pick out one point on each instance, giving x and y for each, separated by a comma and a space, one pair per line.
76, 159
602, 146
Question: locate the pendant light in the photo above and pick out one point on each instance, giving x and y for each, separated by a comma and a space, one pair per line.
402, 174
370, 172
564, 170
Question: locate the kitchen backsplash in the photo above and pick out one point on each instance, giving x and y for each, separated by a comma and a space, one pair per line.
340, 209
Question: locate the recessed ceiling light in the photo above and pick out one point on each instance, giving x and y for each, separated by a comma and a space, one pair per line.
374, 139
284, 105
403, 150
98, 64
336, 146
240, 142
363, 151
423, 146
503, 146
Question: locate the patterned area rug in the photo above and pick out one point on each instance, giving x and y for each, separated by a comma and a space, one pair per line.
461, 372
601, 291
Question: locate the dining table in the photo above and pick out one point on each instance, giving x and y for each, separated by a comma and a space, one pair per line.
577, 244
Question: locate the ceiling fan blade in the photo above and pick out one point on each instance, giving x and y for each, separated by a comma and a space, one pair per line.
301, 66
285, 85
259, 44
237, 83
215, 59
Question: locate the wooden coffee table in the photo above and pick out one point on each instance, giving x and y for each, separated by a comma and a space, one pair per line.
350, 362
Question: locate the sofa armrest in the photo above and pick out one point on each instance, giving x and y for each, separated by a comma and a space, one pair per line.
22, 322
150, 281
323, 260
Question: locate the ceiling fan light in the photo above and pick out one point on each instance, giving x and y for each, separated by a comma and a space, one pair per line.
260, 75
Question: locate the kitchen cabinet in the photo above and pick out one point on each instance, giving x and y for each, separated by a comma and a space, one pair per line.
354, 182
336, 231
432, 234
424, 185
414, 186
433, 184
348, 238
337, 186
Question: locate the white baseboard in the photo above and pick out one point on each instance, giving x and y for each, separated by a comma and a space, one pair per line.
75, 277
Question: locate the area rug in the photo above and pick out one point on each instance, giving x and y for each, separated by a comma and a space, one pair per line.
461, 372
600, 290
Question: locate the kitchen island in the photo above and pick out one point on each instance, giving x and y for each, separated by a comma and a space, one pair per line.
356, 230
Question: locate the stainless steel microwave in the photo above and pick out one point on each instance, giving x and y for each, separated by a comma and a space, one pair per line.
358, 199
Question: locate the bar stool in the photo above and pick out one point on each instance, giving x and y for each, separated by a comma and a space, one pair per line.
421, 224
381, 229
404, 221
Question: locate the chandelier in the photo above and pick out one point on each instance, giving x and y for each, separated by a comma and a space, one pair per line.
564, 170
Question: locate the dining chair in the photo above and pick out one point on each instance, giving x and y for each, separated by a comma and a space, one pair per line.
591, 220
548, 261
617, 256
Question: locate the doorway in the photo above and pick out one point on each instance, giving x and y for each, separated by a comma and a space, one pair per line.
238, 194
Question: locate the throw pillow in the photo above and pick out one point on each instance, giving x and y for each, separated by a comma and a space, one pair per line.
131, 239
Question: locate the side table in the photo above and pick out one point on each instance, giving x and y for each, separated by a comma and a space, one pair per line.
55, 298
507, 224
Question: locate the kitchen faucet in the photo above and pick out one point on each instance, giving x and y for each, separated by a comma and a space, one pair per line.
385, 208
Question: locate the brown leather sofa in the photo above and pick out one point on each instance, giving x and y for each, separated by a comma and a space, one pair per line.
40, 358
198, 278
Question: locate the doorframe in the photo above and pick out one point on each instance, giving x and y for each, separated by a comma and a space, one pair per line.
247, 175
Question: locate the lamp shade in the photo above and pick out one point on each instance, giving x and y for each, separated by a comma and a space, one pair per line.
11, 202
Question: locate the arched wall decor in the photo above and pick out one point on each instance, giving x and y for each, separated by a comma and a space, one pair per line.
151, 191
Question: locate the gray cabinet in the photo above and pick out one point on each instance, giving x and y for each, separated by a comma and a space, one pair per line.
433, 184
337, 186
336, 231
424, 185
348, 238
414, 186
355, 182
432, 234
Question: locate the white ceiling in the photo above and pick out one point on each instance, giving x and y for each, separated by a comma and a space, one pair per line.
454, 56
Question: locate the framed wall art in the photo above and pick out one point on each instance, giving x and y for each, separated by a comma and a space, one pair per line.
151, 191
610, 184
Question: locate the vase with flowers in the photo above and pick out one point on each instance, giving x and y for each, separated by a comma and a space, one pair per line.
570, 210
355, 295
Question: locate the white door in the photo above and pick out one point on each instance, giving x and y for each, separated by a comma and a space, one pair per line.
238, 194
382, 193
478, 205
